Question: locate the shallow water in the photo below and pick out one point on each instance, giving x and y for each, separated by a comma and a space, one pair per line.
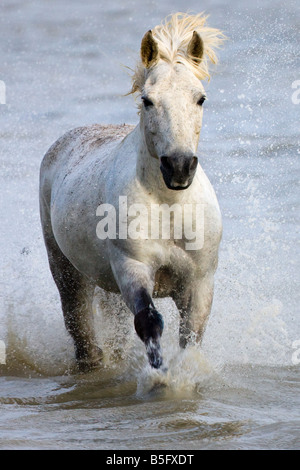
239, 410
62, 66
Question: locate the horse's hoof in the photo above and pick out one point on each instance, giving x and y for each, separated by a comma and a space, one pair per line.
85, 366
156, 362
89, 363
154, 355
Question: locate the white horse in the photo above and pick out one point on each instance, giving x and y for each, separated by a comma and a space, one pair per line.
91, 169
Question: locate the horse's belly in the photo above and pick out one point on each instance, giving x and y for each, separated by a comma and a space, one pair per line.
92, 263
75, 233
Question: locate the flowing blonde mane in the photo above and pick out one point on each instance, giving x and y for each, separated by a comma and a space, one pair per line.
173, 37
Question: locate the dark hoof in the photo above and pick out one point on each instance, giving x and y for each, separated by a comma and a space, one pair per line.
85, 366
149, 327
154, 355
90, 362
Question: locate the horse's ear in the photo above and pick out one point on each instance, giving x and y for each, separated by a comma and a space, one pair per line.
149, 49
195, 48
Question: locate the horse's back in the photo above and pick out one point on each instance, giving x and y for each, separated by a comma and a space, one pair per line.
79, 142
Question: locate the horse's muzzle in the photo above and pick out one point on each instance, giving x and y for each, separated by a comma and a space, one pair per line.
178, 170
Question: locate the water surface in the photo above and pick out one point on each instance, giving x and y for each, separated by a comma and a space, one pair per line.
62, 63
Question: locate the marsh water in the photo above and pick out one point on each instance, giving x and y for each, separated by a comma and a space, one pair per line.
63, 65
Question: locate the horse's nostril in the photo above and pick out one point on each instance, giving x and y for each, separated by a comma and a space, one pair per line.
166, 163
193, 164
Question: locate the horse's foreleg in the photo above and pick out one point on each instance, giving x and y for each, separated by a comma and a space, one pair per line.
149, 325
136, 285
194, 305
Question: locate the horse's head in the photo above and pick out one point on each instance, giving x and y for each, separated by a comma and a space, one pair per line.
171, 115
173, 58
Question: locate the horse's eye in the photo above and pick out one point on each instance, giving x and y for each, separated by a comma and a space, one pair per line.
146, 102
201, 101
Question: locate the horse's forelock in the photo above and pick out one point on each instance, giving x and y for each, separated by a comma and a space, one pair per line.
173, 37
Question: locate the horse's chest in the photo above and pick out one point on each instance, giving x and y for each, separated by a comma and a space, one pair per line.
178, 269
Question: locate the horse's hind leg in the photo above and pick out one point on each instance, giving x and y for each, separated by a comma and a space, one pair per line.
116, 328
76, 298
76, 294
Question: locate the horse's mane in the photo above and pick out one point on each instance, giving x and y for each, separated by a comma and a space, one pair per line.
173, 37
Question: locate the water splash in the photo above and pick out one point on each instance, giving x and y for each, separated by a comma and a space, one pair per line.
187, 371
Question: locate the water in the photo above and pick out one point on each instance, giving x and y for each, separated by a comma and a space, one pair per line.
62, 64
